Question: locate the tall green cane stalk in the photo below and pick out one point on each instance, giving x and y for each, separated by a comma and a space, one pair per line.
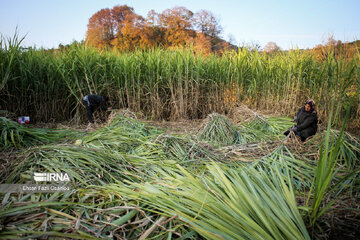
324, 173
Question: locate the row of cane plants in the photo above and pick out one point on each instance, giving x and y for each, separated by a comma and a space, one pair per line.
171, 84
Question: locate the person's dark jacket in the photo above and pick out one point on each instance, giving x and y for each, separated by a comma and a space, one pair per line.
95, 101
306, 122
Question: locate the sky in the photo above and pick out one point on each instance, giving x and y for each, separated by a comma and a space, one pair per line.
288, 23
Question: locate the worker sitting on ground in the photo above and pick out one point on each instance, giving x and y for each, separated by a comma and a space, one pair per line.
306, 121
92, 101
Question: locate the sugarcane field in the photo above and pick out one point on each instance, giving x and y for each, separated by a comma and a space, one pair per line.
230, 173
163, 142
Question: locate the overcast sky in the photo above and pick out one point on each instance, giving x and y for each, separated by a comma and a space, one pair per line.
288, 23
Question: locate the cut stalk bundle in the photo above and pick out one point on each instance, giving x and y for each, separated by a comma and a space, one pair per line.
118, 113
15, 135
247, 135
186, 149
301, 171
122, 135
346, 164
349, 150
85, 166
249, 152
125, 117
269, 126
92, 213
227, 203
219, 131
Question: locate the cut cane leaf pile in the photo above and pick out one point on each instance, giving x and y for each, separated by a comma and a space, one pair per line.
130, 180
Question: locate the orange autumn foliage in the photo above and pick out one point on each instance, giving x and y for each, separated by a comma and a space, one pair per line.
122, 29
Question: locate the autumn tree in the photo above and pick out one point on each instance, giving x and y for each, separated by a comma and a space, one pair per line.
129, 26
330, 47
271, 47
153, 33
152, 18
100, 31
121, 28
177, 22
120, 14
202, 44
219, 46
206, 22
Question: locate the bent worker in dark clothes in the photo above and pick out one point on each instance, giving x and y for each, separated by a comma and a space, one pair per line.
306, 121
92, 101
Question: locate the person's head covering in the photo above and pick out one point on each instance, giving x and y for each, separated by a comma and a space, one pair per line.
312, 105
